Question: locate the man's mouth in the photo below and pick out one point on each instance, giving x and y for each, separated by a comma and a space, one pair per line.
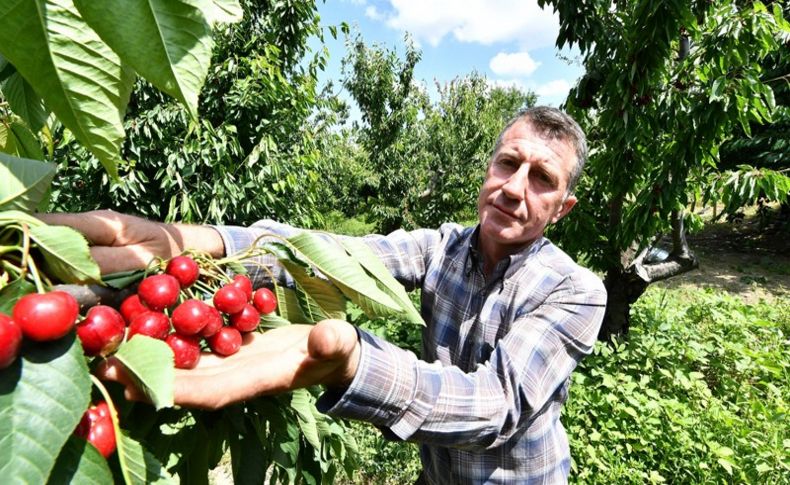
506, 212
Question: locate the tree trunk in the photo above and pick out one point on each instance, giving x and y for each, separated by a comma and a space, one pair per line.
627, 282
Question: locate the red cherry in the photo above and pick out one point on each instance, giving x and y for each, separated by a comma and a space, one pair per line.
244, 284
264, 300
96, 427
101, 331
246, 320
225, 342
131, 307
229, 299
184, 269
214, 322
159, 291
190, 317
46, 316
186, 350
152, 324
10, 340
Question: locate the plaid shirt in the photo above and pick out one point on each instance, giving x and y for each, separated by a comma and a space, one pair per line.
497, 355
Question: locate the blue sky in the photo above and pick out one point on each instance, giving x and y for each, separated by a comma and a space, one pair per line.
511, 42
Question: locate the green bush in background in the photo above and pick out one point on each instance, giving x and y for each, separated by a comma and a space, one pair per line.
697, 393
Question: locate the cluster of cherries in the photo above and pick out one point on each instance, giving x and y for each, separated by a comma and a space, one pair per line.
235, 309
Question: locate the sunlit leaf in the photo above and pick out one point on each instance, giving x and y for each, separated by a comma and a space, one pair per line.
150, 362
23, 183
42, 398
168, 42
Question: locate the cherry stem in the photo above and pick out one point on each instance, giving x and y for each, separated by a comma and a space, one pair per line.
113, 413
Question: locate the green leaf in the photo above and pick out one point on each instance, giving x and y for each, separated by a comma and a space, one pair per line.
66, 253
10, 294
42, 398
332, 261
288, 306
79, 462
319, 298
222, 11
24, 101
23, 183
168, 42
150, 363
303, 403
272, 320
27, 145
138, 465
123, 279
248, 458
718, 89
79, 78
368, 260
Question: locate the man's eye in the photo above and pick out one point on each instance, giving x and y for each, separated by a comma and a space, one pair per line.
544, 177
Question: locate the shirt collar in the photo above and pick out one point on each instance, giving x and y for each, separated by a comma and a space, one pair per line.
506, 267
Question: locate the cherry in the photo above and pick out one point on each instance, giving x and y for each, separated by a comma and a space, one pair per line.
46, 316
229, 299
214, 322
246, 320
264, 300
225, 342
131, 307
10, 340
191, 317
184, 269
186, 350
96, 427
159, 291
152, 324
101, 332
244, 284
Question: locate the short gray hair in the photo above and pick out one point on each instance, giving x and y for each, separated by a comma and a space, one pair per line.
555, 124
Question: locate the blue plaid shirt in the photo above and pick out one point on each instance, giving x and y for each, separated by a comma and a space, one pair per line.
485, 399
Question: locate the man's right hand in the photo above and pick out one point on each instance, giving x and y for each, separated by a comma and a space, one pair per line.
279, 360
121, 242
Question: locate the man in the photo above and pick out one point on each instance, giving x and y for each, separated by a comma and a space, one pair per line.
509, 317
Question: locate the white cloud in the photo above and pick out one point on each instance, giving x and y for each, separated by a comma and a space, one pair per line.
373, 13
518, 64
556, 88
476, 21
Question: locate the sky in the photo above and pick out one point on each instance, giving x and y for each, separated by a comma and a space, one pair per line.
510, 42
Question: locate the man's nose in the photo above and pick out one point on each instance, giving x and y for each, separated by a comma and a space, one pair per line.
516, 185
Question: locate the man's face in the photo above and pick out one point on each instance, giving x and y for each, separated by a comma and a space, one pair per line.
524, 190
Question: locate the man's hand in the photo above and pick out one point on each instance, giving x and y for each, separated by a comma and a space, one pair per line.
120, 242
276, 361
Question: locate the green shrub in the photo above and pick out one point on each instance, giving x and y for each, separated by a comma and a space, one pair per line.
696, 393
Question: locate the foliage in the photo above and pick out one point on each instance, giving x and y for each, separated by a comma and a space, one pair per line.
424, 159
79, 59
382, 86
697, 393
745, 186
665, 84
250, 155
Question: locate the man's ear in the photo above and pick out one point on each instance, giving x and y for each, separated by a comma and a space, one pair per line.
566, 207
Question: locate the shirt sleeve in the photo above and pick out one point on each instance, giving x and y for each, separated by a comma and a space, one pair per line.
442, 405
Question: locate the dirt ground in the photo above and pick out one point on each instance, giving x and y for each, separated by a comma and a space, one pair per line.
746, 257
